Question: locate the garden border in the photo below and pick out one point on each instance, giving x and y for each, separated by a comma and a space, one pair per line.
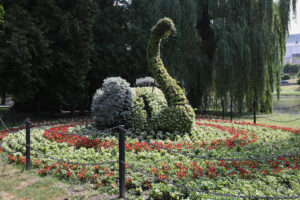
122, 163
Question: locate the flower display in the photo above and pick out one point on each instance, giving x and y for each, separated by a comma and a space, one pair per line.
173, 160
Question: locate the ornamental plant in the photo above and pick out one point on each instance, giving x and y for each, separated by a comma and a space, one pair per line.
146, 82
175, 96
112, 104
161, 161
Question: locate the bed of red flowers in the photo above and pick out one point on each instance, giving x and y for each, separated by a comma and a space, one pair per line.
238, 137
103, 176
296, 131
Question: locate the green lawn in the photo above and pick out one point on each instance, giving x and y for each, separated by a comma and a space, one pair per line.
267, 119
16, 183
290, 90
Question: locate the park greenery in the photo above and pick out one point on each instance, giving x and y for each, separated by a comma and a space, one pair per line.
170, 154
146, 108
59, 52
168, 158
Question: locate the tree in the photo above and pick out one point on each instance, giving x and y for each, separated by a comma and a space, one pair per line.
109, 56
239, 47
2, 84
24, 53
48, 48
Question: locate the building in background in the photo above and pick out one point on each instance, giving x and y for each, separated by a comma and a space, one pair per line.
293, 49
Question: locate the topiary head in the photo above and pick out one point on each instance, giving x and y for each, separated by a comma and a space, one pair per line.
164, 28
112, 103
146, 82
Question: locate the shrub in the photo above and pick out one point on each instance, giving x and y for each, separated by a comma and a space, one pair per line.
298, 81
148, 103
146, 82
291, 68
112, 104
173, 120
286, 77
298, 75
152, 115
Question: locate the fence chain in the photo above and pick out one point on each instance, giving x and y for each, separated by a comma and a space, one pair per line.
144, 172
3, 124
287, 107
279, 120
2, 147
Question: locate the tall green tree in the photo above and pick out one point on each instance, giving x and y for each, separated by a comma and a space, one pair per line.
2, 84
68, 25
46, 51
229, 49
24, 53
109, 56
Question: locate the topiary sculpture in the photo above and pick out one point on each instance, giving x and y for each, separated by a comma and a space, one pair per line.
113, 103
146, 82
177, 101
146, 108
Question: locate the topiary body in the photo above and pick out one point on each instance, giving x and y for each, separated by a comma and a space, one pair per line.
176, 99
149, 102
113, 103
144, 108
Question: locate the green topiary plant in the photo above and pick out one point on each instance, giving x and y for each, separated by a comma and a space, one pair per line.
146, 82
146, 108
149, 102
177, 101
113, 103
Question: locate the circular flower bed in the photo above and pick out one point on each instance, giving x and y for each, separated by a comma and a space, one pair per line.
215, 157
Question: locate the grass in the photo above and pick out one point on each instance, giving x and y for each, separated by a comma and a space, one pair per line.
290, 90
16, 183
4, 110
267, 119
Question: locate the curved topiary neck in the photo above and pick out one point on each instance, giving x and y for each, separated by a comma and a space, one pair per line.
169, 86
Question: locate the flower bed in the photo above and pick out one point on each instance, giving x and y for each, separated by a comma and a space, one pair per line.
180, 165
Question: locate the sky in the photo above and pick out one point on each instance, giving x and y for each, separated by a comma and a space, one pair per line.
295, 23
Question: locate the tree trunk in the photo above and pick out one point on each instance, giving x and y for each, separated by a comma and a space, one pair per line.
3, 99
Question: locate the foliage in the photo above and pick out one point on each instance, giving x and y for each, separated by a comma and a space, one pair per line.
174, 94
298, 81
286, 77
225, 48
145, 82
112, 104
225, 140
148, 103
46, 47
291, 68
63, 50
24, 54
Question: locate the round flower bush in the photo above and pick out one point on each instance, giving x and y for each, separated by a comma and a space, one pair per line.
112, 104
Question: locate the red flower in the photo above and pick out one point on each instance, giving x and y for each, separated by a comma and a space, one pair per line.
69, 174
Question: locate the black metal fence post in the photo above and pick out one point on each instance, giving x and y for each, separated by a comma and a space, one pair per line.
39, 110
12, 110
254, 111
27, 144
122, 133
231, 110
223, 108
